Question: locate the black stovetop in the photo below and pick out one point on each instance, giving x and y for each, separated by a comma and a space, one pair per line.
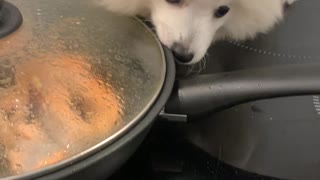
166, 155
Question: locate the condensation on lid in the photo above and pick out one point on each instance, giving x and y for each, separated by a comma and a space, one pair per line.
71, 77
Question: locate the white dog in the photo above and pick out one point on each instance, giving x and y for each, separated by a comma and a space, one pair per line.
188, 27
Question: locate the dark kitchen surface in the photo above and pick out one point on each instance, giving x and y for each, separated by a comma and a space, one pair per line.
166, 155
276, 137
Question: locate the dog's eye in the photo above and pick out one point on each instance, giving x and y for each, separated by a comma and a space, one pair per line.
174, 1
221, 11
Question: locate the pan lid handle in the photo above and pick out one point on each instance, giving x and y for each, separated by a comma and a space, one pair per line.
10, 18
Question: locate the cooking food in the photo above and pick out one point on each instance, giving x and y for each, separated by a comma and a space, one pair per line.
74, 80
50, 109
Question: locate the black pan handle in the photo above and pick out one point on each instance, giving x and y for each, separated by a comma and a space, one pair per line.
208, 93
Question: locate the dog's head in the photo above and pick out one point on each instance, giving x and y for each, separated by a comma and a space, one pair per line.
188, 27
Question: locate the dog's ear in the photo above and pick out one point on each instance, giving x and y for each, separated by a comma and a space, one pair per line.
125, 7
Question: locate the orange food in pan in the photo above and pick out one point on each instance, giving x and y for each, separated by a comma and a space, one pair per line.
55, 108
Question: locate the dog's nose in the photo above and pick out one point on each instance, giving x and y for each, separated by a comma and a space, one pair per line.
181, 53
183, 58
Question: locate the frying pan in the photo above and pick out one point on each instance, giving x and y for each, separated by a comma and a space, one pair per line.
141, 73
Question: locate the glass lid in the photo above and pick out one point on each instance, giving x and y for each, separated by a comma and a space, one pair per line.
73, 77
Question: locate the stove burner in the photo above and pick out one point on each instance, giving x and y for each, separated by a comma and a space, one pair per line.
316, 103
271, 53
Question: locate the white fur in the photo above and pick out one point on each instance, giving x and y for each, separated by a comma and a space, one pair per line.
194, 25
